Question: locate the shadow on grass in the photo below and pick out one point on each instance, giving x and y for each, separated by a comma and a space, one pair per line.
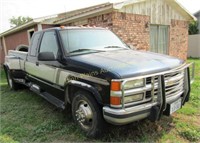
140, 131
47, 123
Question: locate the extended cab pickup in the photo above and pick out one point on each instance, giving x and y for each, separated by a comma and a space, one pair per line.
99, 76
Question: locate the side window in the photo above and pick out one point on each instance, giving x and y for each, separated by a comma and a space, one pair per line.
30, 33
34, 44
49, 43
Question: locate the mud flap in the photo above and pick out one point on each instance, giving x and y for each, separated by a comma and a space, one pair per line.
154, 114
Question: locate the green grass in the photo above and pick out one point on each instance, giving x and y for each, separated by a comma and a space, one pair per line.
26, 117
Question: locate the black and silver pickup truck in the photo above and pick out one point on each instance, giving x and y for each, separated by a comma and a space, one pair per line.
99, 77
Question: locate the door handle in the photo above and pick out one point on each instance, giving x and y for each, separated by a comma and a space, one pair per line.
37, 63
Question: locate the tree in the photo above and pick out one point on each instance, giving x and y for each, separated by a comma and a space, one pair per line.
193, 28
17, 21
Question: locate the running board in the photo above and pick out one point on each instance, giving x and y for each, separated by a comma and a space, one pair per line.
50, 98
58, 103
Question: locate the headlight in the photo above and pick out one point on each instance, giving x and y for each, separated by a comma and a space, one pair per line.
133, 98
134, 83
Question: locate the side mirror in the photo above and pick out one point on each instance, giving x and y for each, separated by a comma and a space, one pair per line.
46, 56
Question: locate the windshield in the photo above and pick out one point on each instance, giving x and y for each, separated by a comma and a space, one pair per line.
89, 40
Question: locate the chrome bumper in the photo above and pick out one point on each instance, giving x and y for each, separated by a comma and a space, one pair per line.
125, 115
128, 115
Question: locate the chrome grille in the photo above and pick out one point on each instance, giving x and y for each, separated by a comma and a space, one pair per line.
174, 83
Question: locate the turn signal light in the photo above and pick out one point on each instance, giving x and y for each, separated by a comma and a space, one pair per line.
115, 100
115, 86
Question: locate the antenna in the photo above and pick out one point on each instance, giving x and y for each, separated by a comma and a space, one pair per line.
65, 10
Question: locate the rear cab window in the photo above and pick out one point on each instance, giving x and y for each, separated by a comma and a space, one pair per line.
34, 44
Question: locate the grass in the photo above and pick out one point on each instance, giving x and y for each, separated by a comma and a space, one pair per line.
26, 117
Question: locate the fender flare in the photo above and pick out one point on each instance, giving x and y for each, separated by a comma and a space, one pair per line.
84, 86
6, 67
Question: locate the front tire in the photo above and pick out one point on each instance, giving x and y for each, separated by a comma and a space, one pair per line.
87, 114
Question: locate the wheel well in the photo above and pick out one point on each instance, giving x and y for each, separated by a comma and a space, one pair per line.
72, 89
6, 69
23, 48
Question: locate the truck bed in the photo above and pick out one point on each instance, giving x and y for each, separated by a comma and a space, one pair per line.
16, 59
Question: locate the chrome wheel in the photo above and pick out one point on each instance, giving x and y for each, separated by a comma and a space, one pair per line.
87, 113
84, 114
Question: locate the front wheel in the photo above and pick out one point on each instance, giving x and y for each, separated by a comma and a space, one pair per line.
87, 114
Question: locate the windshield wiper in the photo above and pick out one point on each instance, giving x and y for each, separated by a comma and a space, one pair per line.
82, 50
113, 47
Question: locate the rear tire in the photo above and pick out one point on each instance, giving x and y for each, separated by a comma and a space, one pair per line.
12, 84
87, 114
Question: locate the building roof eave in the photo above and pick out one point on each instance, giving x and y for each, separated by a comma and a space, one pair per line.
119, 5
42, 20
189, 16
18, 28
94, 10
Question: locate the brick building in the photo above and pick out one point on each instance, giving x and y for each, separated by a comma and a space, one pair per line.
21, 35
155, 25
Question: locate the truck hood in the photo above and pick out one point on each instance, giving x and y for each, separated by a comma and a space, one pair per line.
128, 63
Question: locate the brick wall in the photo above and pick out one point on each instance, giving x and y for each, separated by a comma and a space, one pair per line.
178, 39
45, 26
104, 20
20, 37
131, 28
15, 39
134, 29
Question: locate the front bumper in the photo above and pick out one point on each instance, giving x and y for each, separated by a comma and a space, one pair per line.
153, 109
128, 115
125, 116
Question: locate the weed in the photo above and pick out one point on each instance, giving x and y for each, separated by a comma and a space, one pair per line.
191, 135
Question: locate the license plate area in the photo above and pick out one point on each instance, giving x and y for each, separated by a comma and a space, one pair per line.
172, 107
